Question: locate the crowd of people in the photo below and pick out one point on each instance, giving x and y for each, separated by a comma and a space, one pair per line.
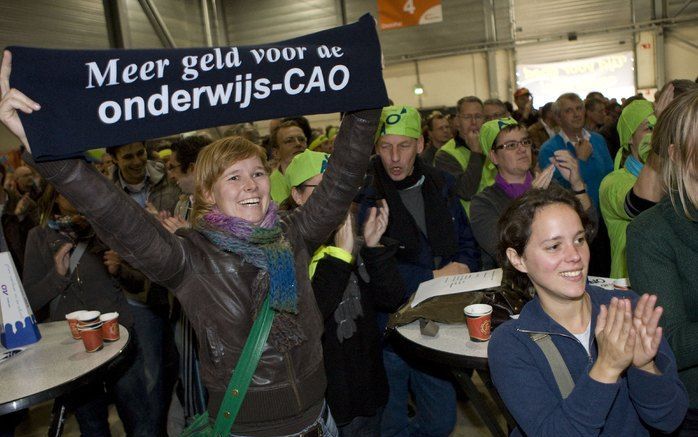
189, 237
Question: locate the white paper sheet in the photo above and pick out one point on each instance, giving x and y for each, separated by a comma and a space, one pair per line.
457, 284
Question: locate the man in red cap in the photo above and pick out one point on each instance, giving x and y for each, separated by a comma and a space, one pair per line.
525, 113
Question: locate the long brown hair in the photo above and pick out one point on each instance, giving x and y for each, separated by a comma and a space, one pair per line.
678, 126
47, 205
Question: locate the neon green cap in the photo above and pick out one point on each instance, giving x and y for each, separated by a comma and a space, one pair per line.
306, 165
400, 120
632, 117
490, 130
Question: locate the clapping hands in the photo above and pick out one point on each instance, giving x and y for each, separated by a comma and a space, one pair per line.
344, 237
568, 166
626, 338
648, 332
376, 224
543, 178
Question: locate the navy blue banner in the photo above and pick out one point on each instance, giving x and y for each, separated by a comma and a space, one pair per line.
100, 98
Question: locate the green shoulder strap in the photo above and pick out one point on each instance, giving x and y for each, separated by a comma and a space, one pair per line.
244, 369
557, 364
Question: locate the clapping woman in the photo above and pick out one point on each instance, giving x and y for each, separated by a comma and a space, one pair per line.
615, 374
238, 252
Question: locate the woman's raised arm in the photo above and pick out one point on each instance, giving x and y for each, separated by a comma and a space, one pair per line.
119, 221
328, 206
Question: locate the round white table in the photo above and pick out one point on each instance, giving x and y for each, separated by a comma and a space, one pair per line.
53, 366
452, 348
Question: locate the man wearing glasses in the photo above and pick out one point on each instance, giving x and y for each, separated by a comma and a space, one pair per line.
462, 157
286, 141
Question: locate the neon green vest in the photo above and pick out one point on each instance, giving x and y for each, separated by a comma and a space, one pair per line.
462, 155
612, 191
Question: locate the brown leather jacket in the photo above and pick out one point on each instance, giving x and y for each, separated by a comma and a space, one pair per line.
215, 288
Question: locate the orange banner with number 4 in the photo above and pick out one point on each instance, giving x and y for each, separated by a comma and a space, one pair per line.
394, 14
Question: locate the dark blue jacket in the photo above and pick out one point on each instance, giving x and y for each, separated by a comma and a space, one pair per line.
526, 383
468, 252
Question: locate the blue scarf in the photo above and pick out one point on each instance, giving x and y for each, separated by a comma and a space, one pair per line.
633, 165
264, 247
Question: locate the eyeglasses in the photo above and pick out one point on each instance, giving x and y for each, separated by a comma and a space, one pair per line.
470, 117
514, 145
497, 116
288, 141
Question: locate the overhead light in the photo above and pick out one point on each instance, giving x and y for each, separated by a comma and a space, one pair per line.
418, 90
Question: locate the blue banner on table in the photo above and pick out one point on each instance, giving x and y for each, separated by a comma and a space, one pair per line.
98, 98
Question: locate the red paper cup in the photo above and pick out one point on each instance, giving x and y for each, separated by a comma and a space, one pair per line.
72, 319
91, 338
110, 326
478, 317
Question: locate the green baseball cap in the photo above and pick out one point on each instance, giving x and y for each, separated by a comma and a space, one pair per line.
632, 117
306, 165
490, 130
400, 120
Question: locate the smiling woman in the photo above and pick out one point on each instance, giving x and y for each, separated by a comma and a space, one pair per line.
234, 178
614, 373
238, 253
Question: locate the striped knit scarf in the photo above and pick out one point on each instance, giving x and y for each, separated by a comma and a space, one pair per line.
265, 247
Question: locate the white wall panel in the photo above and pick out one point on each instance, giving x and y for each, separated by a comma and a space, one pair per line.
543, 17
183, 19
681, 58
264, 21
445, 80
54, 24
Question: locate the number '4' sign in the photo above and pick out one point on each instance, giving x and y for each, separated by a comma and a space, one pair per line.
409, 7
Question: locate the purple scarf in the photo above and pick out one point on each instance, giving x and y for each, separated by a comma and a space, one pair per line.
514, 191
265, 247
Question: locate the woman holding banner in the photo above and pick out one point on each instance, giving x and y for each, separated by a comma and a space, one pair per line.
238, 252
